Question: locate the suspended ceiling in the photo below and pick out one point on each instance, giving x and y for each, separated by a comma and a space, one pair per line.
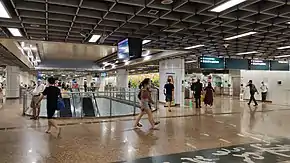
180, 24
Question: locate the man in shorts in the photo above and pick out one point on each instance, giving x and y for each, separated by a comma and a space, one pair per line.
168, 92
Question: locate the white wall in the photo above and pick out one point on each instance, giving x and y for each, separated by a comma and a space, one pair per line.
174, 67
278, 94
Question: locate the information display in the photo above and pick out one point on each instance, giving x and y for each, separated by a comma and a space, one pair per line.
123, 49
240, 64
279, 65
211, 63
260, 65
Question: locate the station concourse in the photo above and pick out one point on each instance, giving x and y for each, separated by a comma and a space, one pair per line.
116, 60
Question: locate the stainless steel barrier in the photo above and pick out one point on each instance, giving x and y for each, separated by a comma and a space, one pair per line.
123, 102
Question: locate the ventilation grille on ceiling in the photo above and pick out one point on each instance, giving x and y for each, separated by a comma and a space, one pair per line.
173, 30
153, 12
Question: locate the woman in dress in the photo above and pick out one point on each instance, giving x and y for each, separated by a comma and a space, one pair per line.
209, 91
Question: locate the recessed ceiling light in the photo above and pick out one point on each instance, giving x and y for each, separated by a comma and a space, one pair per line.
283, 47
245, 53
34, 25
145, 41
241, 35
146, 53
193, 47
166, 2
15, 32
147, 58
3, 11
127, 62
288, 23
94, 38
282, 56
227, 5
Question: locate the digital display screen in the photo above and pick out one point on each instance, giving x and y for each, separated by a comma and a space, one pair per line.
211, 63
260, 65
241, 64
123, 50
279, 65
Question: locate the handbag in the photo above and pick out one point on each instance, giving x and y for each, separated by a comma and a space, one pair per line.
60, 104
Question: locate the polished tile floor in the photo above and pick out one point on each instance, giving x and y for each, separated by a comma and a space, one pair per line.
230, 131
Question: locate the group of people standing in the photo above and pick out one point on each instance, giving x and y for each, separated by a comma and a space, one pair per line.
199, 91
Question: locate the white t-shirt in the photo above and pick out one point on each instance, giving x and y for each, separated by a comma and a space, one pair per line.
38, 89
264, 88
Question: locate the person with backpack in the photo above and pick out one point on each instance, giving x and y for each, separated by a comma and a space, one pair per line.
145, 100
253, 90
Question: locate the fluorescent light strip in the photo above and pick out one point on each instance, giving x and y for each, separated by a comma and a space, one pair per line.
282, 56
145, 41
245, 53
227, 5
3, 11
190, 61
94, 38
283, 47
15, 32
193, 47
241, 35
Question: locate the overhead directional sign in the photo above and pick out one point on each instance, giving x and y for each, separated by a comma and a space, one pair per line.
212, 63
240, 64
279, 65
260, 65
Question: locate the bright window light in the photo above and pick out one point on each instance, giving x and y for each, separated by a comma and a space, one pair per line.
241, 35
283, 47
3, 11
193, 47
282, 56
94, 38
227, 5
15, 32
147, 58
145, 41
245, 53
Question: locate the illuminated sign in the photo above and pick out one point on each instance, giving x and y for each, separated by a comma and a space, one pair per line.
212, 63
260, 65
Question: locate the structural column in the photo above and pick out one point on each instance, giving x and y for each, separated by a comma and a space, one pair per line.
172, 68
13, 82
122, 78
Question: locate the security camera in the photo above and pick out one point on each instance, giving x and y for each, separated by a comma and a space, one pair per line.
226, 45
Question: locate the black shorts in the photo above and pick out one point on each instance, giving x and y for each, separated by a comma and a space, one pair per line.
168, 98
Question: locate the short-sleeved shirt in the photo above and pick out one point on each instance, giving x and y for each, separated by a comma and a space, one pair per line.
52, 93
169, 88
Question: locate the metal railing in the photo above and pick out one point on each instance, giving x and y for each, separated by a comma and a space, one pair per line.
108, 103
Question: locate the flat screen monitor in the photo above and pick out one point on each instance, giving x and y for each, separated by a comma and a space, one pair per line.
211, 63
279, 65
237, 64
260, 65
123, 50
130, 48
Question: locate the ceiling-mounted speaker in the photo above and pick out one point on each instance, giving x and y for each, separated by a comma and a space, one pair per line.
166, 2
